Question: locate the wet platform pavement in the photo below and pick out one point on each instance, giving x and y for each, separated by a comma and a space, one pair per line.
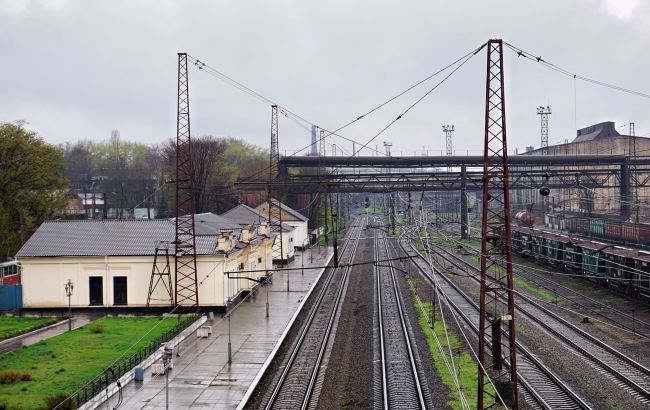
201, 376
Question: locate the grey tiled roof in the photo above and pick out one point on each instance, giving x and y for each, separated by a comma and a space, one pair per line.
245, 215
213, 224
118, 237
289, 210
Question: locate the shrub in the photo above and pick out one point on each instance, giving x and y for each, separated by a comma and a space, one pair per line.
96, 328
26, 377
53, 401
8, 376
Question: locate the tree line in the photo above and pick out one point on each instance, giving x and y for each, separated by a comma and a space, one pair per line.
39, 180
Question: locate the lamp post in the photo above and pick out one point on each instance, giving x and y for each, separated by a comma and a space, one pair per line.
69, 286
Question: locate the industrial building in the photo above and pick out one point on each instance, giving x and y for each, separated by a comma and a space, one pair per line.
599, 139
110, 262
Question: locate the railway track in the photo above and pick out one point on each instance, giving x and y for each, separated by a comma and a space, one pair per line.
297, 387
541, 387
401, 386
627, 373
615, 317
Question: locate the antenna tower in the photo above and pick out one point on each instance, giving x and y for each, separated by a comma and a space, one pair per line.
497, 354
186, 290
544, 112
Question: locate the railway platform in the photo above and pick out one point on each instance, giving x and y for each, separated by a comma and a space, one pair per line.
201, 376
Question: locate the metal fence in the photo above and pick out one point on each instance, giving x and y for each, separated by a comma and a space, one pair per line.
121, 367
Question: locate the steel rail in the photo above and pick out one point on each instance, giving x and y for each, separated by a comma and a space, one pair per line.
349, 251
538, 279
538, 380
392, 399
637, 380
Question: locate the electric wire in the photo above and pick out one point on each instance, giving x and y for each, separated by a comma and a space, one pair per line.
203, 66
530, 56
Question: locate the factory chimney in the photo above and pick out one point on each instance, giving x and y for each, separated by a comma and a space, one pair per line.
314, 142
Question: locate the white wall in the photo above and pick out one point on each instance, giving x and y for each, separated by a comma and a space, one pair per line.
300, 233
44, 279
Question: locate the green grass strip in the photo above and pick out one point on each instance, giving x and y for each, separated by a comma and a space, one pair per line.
464, 362
62, 364
12, 326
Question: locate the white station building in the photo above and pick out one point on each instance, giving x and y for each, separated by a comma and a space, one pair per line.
245, 215
110, 261
292, 218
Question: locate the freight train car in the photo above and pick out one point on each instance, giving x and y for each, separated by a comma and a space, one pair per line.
623, 269
629, 233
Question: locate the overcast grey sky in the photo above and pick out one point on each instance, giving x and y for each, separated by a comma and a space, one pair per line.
79, 69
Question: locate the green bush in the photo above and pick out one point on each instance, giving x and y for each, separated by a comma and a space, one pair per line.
8, 376
96, 327
53, 401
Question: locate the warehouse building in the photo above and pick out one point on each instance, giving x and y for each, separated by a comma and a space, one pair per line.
292, 218
110, 262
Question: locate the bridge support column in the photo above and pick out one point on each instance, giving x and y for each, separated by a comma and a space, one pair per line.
464, 212
626, 197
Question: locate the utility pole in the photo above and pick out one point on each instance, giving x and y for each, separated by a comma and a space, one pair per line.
497, 304
186, 290
544, 112
448, 130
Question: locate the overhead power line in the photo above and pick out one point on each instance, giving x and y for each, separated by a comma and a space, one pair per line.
538, 59
303, 122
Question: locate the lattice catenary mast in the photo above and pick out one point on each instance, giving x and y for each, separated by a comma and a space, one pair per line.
497, 353
275, 212
186, 290
544, 112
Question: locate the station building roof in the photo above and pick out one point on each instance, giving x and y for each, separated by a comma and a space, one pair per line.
245, 215
119, 237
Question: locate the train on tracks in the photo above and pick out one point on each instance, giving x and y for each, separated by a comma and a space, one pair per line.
624, 269
627, 232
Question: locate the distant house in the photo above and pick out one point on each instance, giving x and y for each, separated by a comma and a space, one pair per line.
245, 215
110, 261
291, 217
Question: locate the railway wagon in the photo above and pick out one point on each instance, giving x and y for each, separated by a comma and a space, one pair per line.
593, 260
613, 230
620, 266
642, 275
635, 233
630, 233
623, 269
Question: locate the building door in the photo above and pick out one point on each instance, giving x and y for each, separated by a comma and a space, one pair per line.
119, 290
96, 290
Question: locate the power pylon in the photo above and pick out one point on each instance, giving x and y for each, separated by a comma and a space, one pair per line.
186, 290
275, 211
497, 350
544, 112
